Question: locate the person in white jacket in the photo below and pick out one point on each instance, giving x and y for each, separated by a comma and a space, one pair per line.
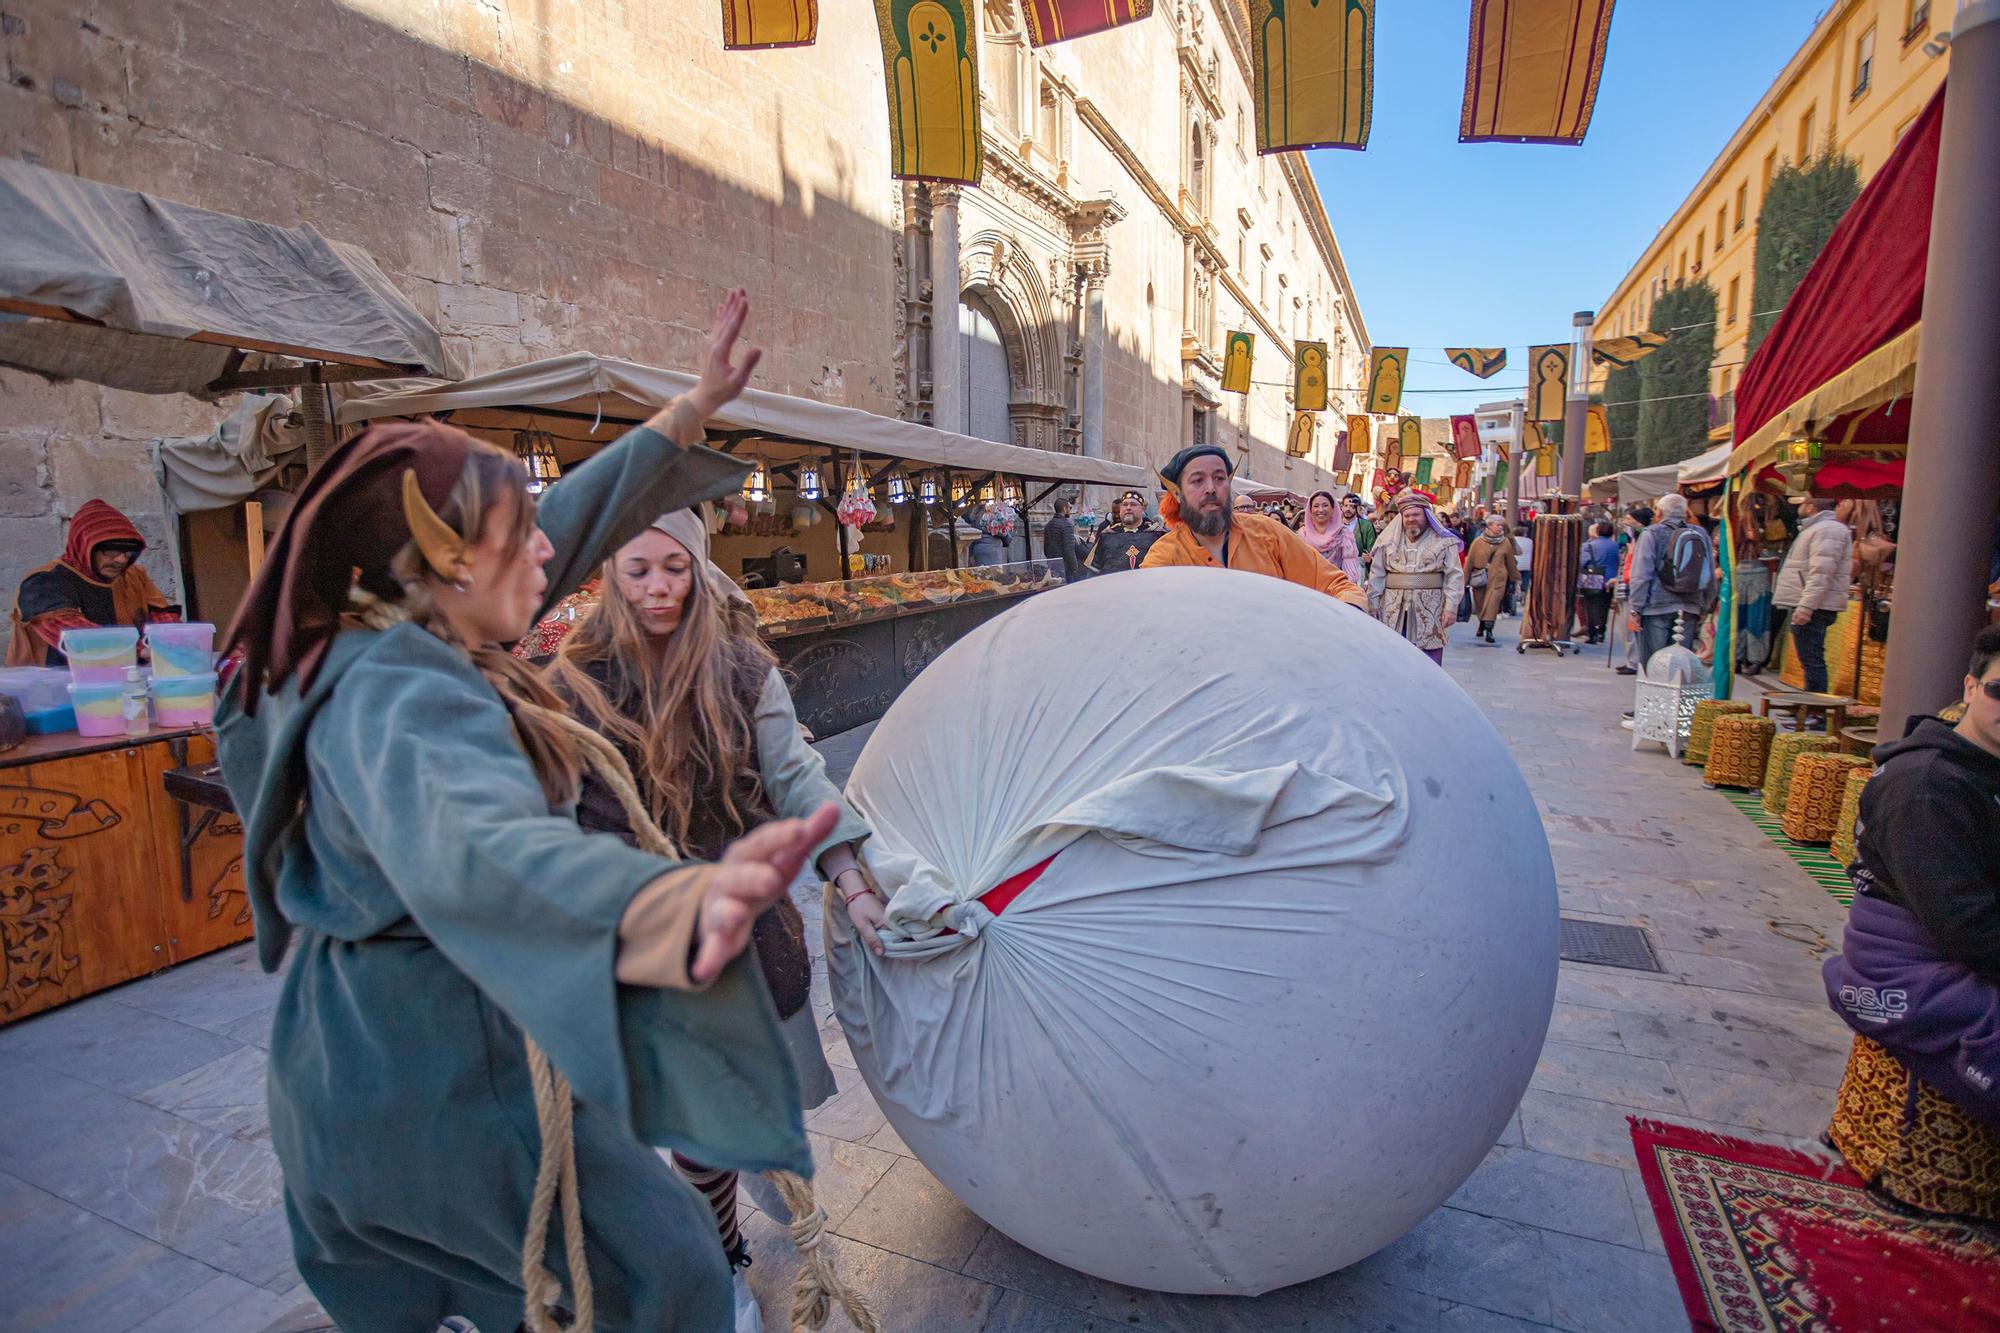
1812, 584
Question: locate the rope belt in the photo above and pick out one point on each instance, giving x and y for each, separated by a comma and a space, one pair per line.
1433, 581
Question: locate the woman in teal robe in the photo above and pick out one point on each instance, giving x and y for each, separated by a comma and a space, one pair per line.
439, 905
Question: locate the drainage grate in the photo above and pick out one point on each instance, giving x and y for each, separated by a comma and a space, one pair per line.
1608, 945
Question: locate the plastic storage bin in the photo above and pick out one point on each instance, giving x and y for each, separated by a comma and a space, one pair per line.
43, 693
98, 656
183, 701
98, 705
182, 649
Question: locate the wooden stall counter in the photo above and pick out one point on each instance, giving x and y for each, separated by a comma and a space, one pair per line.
104, 876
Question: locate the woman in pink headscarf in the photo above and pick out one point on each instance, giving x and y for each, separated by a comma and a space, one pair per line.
1325, 533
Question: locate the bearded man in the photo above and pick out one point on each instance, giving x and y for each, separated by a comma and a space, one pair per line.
1123, 544
96, 581
1202, 529
1415, 579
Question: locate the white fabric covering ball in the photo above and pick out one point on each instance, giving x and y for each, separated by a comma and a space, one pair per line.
1289, 971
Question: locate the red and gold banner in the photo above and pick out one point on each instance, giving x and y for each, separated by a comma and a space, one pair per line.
1463, 478
1410, 436
1309, 377
1313, 63
1484, 362
1386, 369
930, 62
1531, 70
1299, 440
1597, 430
1619, 353
756, 25
1548, 381
1059, 20
1236, 350
1465, 437
1343, 448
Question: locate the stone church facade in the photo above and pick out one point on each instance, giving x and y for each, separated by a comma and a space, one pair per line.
591, 176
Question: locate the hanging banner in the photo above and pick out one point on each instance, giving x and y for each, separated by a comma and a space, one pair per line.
1409, 437
1500, 478
1236, 352
1343, 449
1059, 20
1463, 477
1309, 377
1597, 430
1548, 381
1424, 467
1545, 461
1465, 437
1314, 62
930, 64
1360, 436
1619, 353
1484, 362
1531, 70
1386, 368
759, 25
1305, 429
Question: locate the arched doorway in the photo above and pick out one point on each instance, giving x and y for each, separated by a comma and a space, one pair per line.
985, 409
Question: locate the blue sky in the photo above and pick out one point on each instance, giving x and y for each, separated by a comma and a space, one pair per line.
1485, 245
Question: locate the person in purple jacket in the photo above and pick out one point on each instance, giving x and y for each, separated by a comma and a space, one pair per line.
1919, 967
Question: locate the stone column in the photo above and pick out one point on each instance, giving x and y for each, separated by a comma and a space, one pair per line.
1094, 275
947, 370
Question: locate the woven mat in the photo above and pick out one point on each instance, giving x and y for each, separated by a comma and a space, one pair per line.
1765, 1238
1816, 861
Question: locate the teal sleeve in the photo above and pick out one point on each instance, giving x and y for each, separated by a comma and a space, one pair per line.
602, 503
793, 773
419, 752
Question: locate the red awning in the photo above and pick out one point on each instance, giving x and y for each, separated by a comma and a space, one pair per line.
1845, 478
1866, 287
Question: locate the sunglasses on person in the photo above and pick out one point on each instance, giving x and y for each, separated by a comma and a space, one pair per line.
1991, 689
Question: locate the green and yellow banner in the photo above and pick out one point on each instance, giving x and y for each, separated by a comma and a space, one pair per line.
1299, 440
757, 25
1484, 362
1597, 431
1424, 468
1545, 461
1059, 20
930, 63
1387, 367
1309, 377
1236, 350
1360, 437
1618, 353
1410, 436
1548, 381
1313, 67
1531, 70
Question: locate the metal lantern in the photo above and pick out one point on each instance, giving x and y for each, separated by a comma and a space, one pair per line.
1010, 494
537, 451
927, 489
757, 486
809, 486
899, 489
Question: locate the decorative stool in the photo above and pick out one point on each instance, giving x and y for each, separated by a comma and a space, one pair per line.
1786, 747
1664, 696
1703, 726
1859, 740
1905, 1139
1812, 805
1850, 813
1831, 709
1737, 750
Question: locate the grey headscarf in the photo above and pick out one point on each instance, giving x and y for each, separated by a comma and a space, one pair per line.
689, 527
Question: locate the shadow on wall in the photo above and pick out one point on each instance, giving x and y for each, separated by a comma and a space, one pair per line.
524, 225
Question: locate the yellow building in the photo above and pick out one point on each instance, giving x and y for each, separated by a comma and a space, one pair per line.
1857, 83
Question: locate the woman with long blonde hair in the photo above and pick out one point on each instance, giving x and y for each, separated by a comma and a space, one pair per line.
668, 666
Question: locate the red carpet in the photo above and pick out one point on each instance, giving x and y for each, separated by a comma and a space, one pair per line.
1766, 1238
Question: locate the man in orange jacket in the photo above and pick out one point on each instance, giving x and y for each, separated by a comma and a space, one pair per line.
1203, 530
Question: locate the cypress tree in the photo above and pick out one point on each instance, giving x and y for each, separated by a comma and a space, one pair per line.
1621, 411
1673, 382
1804, 204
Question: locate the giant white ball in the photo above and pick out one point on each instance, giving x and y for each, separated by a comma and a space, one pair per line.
1288, 973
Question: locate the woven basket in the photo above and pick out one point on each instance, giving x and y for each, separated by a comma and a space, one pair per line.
1812, 805
1850, 811
1786, 747
1703, 727
1737, 749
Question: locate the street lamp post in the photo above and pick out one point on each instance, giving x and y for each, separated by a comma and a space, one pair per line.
1577, 408
1952, 485
1516, 429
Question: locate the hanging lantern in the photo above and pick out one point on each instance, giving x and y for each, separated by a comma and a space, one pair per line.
537, 451
757, 486
809, 487
899, 489
987, 494
927, 489
1010, 494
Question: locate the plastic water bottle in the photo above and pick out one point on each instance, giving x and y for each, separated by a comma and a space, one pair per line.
132, 703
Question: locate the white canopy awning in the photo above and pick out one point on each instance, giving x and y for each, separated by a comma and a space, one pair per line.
1639, 485
1705, 469
584, 400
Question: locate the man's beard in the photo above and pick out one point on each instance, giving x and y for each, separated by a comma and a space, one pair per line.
1209, 523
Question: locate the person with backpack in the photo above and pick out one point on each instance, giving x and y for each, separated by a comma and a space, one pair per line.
1673, 575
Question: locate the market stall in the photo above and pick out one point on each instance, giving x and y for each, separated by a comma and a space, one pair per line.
854, 609
106, 873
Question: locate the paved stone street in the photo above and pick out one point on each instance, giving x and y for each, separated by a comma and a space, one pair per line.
138, 1192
